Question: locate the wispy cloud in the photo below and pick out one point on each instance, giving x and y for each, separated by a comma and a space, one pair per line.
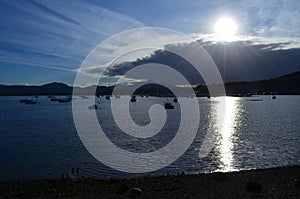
121, 50
60, 34
36, 65
64, 31
269, 18
246, 58
279, 42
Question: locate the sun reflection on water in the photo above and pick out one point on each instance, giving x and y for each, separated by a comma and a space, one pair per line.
226, 121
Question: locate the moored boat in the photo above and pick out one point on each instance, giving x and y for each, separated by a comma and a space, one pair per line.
30, 102
168, 105
24, 100
64, 100
133, 98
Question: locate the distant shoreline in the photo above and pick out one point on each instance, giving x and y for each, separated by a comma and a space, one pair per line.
282, 182
283, 85
285, 94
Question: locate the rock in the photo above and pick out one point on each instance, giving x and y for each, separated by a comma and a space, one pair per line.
219, 177
254, 187
122, 189
136, 192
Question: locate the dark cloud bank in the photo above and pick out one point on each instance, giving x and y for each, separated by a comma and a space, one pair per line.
237, 61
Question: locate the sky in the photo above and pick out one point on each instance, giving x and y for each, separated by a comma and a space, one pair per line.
43, 41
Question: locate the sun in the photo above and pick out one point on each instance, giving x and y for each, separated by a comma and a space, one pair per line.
225, 28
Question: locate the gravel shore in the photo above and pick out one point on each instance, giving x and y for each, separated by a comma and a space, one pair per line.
280, 182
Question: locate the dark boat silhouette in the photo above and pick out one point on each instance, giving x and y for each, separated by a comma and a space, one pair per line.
175, 99
24, 100
133, 98
64, 100
168, 105
54, 99
30, 102
273, 97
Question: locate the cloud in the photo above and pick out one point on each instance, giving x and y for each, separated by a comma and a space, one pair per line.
61, 34
279, 42
269, 18
35, 65
120, 50
245, 59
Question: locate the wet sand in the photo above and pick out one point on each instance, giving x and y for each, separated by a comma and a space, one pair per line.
280, 182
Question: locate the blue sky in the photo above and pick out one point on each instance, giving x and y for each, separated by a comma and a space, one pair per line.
43, 41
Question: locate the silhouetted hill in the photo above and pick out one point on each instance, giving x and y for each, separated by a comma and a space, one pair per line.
287, 84
46, 89
54, 88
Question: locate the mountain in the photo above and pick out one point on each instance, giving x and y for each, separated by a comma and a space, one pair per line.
287, 84
46, 89
54, 88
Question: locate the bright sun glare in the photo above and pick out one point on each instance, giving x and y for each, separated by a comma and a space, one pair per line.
225, 28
